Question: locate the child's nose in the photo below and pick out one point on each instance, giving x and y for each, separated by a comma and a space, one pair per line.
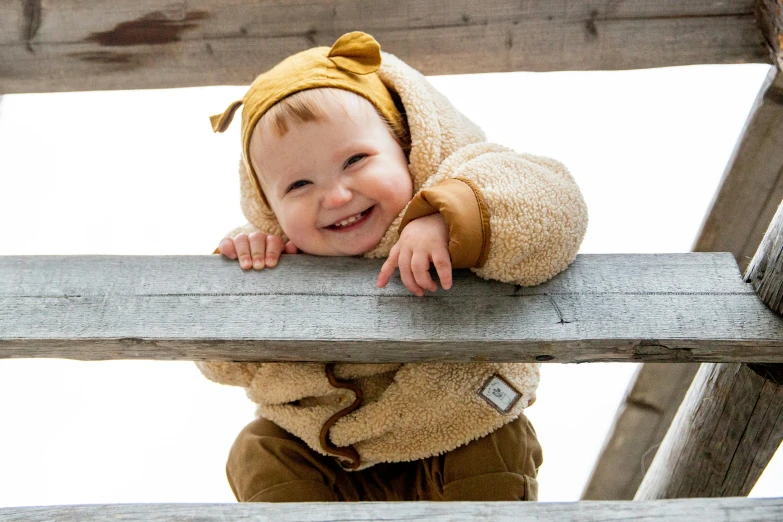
337, 196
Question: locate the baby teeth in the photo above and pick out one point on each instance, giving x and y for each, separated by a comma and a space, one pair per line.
348, 221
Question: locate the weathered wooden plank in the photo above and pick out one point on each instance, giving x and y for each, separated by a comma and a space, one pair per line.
674, 307
714, 510
85, 45
765, 271
731, 421
723, 436
752, 184
770, 19
654, 394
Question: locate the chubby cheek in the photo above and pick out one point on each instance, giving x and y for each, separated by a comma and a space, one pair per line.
297, 223
394, 192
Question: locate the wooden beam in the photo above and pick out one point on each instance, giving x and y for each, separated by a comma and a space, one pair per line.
714, 510
731, 421
654, 394
72, 45
770, 19
673, 307
740, 213
752, 184
724, 434
765, 271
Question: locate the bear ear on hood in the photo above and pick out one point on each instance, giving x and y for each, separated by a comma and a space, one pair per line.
220, 122
356, 52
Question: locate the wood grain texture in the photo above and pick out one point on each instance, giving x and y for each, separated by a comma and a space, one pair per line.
714, 510
74, 45
731, 421
673, 307
765, 271
654, 394
752, 185
723, 436
770, 19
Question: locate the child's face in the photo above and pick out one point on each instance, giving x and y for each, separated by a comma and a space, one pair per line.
335, 184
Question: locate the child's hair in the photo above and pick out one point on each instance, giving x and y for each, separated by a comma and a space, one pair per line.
304, 106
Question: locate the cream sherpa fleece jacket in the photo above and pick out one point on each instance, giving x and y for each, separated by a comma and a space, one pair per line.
412, 411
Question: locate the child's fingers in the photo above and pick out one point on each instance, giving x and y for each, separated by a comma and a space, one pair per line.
257, 242
226, 247
242, 245
407, 275
420, 266
290, 248
442, 263
274, 247
388, 268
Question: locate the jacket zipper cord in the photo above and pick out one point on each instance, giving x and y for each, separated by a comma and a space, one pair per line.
348, 453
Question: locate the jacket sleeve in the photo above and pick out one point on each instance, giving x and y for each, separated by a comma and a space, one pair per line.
512, 217
464, 209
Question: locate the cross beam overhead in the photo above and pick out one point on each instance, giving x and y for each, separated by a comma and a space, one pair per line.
74, 45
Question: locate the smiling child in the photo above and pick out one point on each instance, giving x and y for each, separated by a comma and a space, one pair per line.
342, 156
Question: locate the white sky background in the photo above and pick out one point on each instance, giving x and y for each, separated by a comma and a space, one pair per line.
140, 172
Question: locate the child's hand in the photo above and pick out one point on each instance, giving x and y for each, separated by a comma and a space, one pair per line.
422, 241
256, 250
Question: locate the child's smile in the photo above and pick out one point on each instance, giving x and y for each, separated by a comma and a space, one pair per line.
352, 222
335, 184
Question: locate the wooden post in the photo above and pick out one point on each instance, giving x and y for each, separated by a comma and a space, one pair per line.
653, 397
769, 16
765, 271
743, 207
751, 186
731, 421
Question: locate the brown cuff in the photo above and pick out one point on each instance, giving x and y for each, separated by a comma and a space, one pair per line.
216, 251
462, 205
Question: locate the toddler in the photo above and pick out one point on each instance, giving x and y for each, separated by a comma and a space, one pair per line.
348, 151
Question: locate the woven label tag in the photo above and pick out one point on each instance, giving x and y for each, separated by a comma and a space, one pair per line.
499, 393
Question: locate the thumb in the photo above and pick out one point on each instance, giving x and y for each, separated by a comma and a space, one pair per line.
290, 248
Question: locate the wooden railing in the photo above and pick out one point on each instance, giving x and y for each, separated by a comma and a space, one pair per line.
713, 510
665, 308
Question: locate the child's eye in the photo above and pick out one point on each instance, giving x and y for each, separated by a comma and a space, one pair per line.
297, 184
355, 158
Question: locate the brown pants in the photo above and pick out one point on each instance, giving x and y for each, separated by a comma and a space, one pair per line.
268, 464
